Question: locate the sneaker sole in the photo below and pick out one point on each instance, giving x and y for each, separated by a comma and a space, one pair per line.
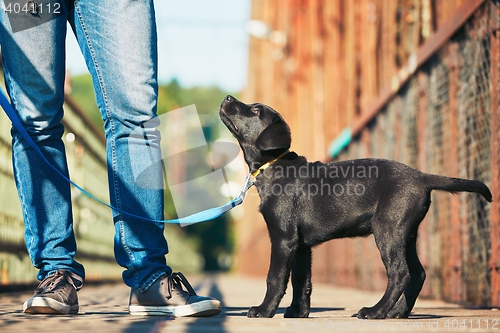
199, 309
44, 305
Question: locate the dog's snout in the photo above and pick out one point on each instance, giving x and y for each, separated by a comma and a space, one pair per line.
228, 100
227, 104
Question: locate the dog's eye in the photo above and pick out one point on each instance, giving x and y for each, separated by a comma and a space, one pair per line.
256, 110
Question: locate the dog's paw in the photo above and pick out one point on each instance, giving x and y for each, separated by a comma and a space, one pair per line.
258, 312
370, 313
253, 312
398, 312
400, 309
295, 311
397, 315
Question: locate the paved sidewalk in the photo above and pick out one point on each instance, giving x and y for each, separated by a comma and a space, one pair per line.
103, 308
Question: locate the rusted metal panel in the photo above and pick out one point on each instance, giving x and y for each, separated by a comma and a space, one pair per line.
321, 262
369, 20
454, 266
317, 93
430, 47
332, 17
397, 128
423, 243
351, 57
495, 151
387, 46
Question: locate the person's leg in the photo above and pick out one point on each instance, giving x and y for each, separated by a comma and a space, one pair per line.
118, 41
34, 68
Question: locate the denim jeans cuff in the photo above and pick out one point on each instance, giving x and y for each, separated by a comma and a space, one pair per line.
152, 279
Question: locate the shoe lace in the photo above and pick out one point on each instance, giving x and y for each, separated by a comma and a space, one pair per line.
177, 280
52, 281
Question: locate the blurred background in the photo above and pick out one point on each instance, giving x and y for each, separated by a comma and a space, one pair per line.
411, 80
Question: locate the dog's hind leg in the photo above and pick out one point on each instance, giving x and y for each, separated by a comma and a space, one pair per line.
301, 283
392, 247
406, 302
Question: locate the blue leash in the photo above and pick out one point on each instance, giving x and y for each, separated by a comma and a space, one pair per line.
203, 216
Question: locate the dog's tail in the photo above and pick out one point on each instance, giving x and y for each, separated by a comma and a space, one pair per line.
454, 185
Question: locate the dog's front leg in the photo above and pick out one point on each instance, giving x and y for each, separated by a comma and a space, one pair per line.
301, 283
282, 255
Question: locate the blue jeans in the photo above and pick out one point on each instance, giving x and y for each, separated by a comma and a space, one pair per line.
118, 41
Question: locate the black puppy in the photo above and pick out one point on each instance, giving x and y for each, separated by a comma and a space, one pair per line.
305, 204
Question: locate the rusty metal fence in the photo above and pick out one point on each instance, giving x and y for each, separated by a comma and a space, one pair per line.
441, 121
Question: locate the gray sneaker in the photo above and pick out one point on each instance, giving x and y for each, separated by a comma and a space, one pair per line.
166, 297
56, 294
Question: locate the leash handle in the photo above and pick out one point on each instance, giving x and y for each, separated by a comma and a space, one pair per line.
203, 216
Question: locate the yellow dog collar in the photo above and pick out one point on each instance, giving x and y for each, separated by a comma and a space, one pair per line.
266, 165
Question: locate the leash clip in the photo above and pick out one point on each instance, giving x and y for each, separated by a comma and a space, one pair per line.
248, 183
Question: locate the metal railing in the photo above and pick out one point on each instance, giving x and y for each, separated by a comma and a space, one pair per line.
93, 227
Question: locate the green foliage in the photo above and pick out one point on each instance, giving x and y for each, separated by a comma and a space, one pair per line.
172, 96
214, 240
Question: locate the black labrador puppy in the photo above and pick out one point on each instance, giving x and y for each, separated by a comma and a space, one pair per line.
307, 203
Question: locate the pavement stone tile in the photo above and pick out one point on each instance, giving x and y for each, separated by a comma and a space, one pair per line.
103, 308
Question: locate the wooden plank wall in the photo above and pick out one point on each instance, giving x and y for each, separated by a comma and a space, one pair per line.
338, 56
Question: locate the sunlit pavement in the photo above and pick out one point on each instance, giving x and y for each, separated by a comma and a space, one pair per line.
103, 308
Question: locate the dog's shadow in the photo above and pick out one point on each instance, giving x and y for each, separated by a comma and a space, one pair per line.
242, 311
421, 316
319, 310
414, 316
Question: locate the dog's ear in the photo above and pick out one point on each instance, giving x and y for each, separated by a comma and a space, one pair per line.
275, 136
